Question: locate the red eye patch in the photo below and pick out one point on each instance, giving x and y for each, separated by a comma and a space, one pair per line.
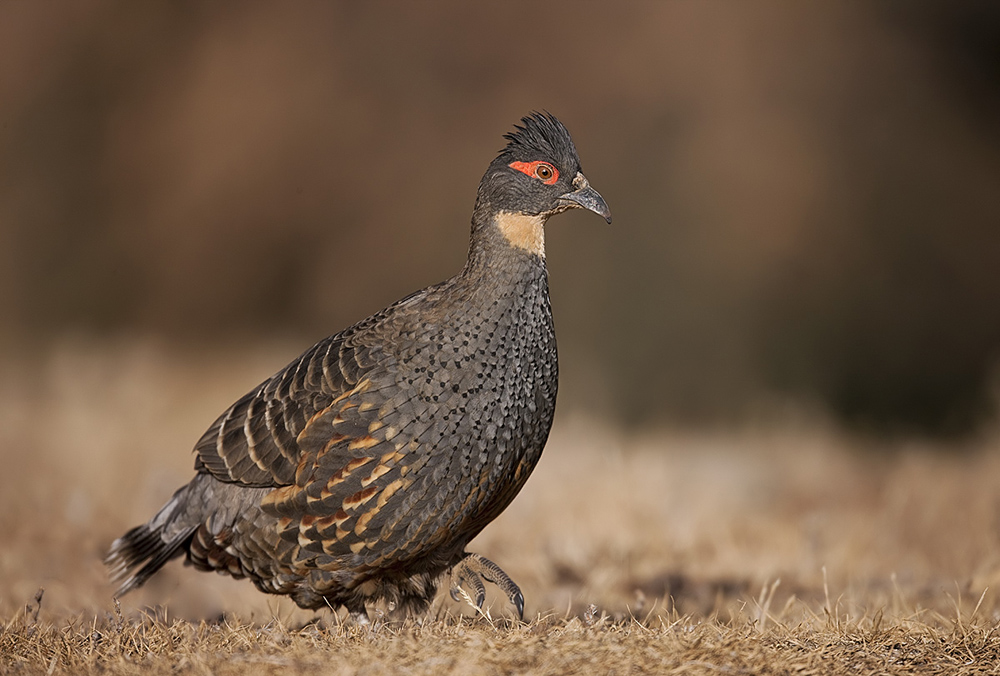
543, 171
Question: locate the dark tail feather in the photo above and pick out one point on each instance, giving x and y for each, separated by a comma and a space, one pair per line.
137, 555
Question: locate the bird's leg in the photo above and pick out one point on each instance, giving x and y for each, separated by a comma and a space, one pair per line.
473, 569
358, 614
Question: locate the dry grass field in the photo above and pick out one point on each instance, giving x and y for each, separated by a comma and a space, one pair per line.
779, 549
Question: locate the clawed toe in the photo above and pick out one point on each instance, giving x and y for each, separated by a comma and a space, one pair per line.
472, 570
517, 598
466, 575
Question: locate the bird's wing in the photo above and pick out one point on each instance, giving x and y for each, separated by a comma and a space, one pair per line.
358, 448
263, 438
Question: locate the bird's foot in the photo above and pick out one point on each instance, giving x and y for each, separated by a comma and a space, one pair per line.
472, 570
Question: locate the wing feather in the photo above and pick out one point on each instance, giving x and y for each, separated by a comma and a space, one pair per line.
260, 439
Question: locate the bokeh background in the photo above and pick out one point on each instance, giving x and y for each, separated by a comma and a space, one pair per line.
806, 237
806, 195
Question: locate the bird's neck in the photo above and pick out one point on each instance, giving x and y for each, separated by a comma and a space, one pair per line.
522, 231
506, 240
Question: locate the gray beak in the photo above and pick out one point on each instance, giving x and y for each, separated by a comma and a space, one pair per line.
586, 197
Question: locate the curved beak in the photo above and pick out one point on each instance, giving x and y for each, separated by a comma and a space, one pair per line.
587, 198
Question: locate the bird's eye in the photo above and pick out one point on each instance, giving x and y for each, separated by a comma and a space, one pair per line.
543, 171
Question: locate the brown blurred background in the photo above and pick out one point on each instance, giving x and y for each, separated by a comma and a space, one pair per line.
806, 195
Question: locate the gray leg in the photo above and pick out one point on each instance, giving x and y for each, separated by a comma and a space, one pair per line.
473, 569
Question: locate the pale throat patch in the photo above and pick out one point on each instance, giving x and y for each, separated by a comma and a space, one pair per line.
523, 231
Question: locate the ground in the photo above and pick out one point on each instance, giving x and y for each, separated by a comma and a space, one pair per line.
782, 547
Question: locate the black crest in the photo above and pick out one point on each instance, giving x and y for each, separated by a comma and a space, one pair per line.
540, 133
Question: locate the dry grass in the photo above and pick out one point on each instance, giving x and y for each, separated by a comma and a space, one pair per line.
461, 646
798, 551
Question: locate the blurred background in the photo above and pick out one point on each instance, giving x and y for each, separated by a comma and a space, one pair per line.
806, 238
806, 196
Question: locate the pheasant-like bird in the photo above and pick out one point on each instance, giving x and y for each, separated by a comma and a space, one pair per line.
361, 470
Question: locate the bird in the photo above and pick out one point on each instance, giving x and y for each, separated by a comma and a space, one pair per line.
359, 472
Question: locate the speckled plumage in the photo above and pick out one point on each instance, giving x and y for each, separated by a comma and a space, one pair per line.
362, 469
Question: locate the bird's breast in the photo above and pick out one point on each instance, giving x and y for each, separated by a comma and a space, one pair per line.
482, 386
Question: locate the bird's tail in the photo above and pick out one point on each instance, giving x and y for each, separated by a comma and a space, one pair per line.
137, 555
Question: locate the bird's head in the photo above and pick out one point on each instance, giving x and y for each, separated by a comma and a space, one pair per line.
535, 176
